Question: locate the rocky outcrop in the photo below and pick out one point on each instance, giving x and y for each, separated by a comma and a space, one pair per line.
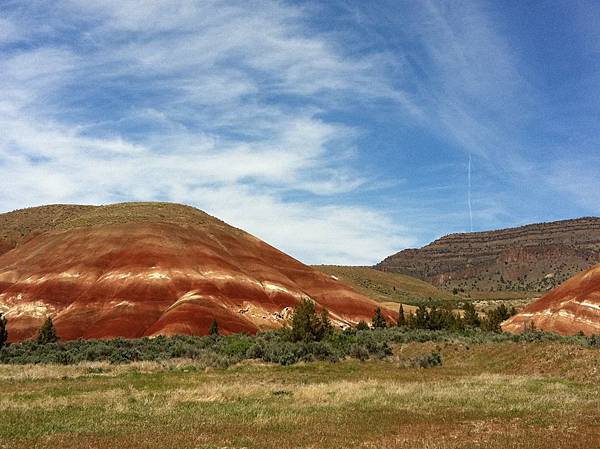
534, 258
571, 308
145, 269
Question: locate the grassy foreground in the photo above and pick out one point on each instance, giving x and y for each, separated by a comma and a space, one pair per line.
487, 395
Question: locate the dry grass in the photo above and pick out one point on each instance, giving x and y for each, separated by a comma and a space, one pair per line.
20, 225
385, 286
486, 396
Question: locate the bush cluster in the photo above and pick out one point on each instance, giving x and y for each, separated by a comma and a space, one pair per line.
310, 338
275, 346
444, 318
220, 351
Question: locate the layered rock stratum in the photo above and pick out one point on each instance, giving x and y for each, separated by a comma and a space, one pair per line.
145, 269
535, 257
568, 309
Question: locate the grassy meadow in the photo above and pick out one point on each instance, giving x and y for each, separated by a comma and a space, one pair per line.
543, 394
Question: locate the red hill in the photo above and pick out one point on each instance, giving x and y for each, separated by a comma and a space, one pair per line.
143, 269
572, 307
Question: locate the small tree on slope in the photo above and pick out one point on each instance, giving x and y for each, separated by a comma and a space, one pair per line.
323, 325
47, 333
470, 316
401, 317
3, 331
362, 326
307, 325
214, 328
378, 321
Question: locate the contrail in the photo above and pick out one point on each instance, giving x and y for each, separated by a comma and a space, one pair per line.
469, 194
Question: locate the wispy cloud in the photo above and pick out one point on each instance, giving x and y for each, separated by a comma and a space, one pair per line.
218, 104
338, 131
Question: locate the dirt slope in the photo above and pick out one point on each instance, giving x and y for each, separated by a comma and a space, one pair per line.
573, 307
143, 269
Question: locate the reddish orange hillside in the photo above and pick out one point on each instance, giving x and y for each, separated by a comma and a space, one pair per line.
572, 307
145, 269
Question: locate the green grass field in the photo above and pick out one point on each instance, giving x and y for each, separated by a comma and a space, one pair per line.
488, 395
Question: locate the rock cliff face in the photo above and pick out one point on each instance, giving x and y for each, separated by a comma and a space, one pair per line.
573, 307
143, 269
534, 257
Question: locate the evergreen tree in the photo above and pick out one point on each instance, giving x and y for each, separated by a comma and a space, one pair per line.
47, 333
324, 327
213, 330
470, 316
3, 331
378, 321
401, 317
362, 326
495, 317
306, 325
420, 320
410, 319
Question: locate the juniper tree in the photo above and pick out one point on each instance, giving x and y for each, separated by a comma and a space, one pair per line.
362, 326
213, 330
401, 317
306, 325
47, 333
378, 321
324, 327
470, 316
495, 317
3, 331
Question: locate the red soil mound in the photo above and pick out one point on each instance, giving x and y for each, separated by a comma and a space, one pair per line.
133, 277
572, 307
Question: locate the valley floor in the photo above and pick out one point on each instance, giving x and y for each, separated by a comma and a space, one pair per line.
492, 395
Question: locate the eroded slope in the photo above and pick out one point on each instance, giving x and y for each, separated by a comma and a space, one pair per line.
573, 307
145, 269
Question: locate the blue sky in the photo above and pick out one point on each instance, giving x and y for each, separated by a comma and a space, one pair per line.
338, 131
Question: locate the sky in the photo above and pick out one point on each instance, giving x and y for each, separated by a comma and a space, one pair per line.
338, 131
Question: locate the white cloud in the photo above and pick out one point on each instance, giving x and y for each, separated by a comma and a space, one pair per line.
175, 100
322, 234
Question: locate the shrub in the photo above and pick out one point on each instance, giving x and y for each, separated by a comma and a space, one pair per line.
236, 346
359, 352
47, 333
594, 341
428, 361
